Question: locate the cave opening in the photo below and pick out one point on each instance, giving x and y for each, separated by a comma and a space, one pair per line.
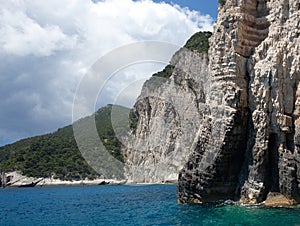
273, 170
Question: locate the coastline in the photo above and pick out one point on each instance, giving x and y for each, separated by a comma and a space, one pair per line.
57, 182
16, 179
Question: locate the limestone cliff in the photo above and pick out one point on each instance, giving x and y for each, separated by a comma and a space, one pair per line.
254, 66
167, 113
229, 119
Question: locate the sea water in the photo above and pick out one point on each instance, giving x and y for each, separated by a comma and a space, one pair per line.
127, 205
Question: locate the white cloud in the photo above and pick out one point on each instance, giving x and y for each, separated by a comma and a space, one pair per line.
20, 35
47, 46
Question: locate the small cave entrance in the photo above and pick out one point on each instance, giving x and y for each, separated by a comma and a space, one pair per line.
273, 159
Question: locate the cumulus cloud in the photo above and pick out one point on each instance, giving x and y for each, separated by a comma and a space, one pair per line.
23, 36
46, 47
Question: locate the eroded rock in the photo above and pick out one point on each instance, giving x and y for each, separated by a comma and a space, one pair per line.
255, 52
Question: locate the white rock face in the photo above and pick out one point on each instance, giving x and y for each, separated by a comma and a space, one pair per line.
16, 179
274, 71
168, 121
254, 65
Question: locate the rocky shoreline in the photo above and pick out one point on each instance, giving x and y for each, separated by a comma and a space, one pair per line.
15, 179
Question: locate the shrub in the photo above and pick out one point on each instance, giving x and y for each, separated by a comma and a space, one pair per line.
222, 2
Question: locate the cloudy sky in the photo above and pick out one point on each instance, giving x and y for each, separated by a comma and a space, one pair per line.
46, 48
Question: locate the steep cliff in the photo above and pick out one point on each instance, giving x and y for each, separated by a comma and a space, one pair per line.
166, 115
254, 98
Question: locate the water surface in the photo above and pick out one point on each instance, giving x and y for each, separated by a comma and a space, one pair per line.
126, 205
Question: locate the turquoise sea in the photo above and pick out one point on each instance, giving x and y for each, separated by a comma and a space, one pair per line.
127, 205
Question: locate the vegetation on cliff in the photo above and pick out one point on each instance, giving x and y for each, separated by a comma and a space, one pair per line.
56, 154
222, 2
198, 42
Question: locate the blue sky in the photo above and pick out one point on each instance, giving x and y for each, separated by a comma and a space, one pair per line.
46, 48
204, 6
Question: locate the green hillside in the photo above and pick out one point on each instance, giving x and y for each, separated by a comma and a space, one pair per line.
56, 154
